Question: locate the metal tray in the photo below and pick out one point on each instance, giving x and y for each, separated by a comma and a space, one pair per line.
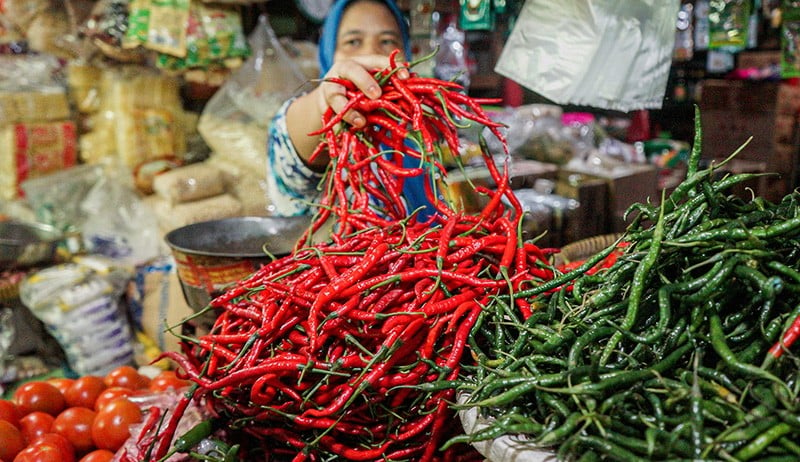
27, 244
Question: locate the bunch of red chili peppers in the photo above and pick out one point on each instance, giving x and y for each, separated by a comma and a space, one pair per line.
348, 348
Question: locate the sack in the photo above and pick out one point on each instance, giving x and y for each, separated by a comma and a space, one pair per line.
610, 54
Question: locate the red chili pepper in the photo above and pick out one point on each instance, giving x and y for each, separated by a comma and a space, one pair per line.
789, 337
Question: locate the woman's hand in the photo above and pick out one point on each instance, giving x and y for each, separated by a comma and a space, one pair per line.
359, 70
304, 115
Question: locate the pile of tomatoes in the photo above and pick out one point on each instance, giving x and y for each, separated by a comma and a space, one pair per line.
86, 419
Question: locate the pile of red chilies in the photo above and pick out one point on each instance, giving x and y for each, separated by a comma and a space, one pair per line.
345, 349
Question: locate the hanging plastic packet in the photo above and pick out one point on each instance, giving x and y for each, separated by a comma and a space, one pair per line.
611, 54
476, 15
214, 37
728, 22
166, 30
790, 42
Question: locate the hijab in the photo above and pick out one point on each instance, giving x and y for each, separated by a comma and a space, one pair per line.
330, 29
414, 187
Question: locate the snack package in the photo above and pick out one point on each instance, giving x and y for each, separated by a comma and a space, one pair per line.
729, 22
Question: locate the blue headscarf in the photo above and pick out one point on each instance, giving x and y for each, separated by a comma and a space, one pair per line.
330, 28
414, 187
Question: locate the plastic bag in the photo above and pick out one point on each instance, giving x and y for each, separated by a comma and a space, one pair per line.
119, 224
79, 304
235, 121
451, 60
611, 54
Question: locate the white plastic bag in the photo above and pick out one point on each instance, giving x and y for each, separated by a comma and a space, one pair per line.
235, 121
610, 54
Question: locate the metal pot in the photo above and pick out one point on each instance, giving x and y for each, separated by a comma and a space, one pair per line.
211, 255
26, 244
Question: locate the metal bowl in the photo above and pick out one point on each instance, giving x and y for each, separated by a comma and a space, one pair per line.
211, 255
26, 244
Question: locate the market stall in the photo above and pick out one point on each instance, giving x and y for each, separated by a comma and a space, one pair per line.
573, 288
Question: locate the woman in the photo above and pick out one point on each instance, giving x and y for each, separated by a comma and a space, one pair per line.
357, 37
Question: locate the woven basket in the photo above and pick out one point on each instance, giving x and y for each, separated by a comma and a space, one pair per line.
585, 248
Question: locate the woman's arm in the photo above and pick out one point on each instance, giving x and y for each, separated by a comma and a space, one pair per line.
304, 114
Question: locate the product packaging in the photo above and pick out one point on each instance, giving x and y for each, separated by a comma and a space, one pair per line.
79, 304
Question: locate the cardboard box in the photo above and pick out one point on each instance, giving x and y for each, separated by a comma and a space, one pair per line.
625, 186
758, 59
592, 195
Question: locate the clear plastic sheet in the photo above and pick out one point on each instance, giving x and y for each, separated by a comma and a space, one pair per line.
611, 54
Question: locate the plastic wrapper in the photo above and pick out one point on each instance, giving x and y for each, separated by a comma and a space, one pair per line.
451, 60
249, 187
214, 38
83, 82
118, 224
79, 304
56, 198
611, 54
534, 131
189, 183
729, 21
171, 216
235, 122
547, 216
163, 404
106, 28
37, 134
140, 118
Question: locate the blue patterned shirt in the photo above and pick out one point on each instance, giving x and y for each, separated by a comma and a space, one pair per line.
291, 185
293, 189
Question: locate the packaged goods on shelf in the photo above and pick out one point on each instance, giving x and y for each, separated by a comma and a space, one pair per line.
37, 137
140, 118
79, 304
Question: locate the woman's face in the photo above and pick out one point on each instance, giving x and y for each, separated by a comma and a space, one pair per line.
367, 28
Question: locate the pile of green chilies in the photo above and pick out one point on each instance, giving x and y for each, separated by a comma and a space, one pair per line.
680, 349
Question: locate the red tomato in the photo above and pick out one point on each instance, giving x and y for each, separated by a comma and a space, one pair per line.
166, 380
39, 396
84, 391
110, 394
35, 424
126, 376
111, 427
41, 452
64, 446
75, 424
62, 383
9, 412
12, 441
98, 455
